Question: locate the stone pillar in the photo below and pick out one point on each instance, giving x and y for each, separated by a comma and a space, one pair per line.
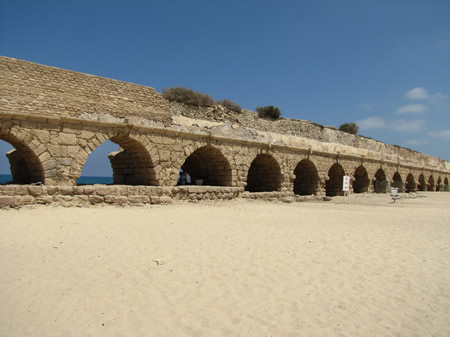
19, 169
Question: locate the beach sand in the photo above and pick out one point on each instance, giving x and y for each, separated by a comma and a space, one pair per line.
367, 267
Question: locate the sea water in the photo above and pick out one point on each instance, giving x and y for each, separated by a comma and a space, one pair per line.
7, 178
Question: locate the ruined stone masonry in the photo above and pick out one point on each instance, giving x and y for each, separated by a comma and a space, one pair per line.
56, 118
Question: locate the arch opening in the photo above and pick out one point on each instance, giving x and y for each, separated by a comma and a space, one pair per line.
439, 185
24, 166
264, 174
397, 181
380, 184
306, 180
208, 166
361, 182
446, 186
430, 186
333, 186
410, 183
421, 186
131, 164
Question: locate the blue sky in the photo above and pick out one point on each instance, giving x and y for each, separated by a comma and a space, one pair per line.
382, 64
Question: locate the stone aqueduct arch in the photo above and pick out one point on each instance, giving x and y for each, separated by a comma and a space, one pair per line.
264, 174
306, 178
150, 159
380, 183
26, 168
410, 183
397, 181
333, 185
421, 186
362, 181
52, 146
209, 165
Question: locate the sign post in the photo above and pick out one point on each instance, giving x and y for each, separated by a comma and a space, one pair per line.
346, 186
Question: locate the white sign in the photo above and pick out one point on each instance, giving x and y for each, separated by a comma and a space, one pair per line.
346, 184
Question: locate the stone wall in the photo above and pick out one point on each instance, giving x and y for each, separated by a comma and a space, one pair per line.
13, 196
305, 129
42, 90
56, 118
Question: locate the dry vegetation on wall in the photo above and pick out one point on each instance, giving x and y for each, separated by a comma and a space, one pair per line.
230, 105
191, 97
351, 128
187, 96
268, 112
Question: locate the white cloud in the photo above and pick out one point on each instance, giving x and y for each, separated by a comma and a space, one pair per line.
417, 93
443, 134
415, 142
365, 106
404, 125
411, 109
371, 123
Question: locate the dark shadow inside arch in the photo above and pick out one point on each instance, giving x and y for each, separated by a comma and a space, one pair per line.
446, 186
131, 164
264, 174
380, 185
397, 181
208, 166
362, 181
421, 186
306, 180
410, 184
430, 186
333, 186
439, 185
25, 166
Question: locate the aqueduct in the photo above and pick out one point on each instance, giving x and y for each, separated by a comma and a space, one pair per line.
55, 118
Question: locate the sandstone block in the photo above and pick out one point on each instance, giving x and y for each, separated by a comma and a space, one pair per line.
135, 199
164, 156
65, 139
25, 200
121, 200
80, 199
160, 200
35, 190
88, 190
102, 190
66, 190
62, 198
8, 189
6, 201
52, 189
110, 199
21, 190
44, 199
95, 199
49, 165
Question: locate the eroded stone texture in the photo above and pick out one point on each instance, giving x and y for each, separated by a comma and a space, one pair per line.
56, 118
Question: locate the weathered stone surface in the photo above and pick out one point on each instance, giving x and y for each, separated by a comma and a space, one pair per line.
52, 189
95, 199
44, 199
135, 200
66, 190
8, 190
35, 190
20, 190
6, 201
160, 200
59, 117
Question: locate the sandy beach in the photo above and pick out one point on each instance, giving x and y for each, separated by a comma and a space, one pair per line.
366, 267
